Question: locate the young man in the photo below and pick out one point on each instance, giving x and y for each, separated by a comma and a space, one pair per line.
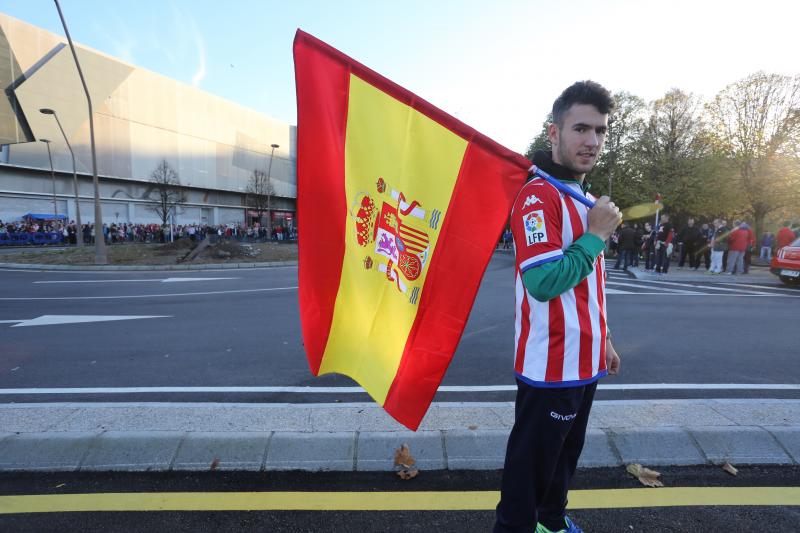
562, 346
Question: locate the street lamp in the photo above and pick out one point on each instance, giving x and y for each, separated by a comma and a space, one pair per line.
79, 228
53, 176
100, 255
269, 190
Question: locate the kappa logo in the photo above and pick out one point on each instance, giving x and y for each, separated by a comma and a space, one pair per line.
563, 418
531, 200
535, 228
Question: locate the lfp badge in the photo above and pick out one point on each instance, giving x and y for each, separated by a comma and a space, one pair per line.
535, 230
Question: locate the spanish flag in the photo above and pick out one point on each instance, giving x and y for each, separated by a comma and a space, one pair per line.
400, 207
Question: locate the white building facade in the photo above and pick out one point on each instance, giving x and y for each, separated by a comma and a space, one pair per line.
141, 119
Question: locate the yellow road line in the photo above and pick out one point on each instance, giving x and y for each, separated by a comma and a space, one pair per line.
388, 501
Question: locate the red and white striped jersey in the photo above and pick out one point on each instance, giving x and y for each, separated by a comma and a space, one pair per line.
559, 343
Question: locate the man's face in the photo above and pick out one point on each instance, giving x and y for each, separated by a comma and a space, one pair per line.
578, 141
691, 222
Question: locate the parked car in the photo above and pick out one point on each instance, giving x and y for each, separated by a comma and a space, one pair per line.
786, 264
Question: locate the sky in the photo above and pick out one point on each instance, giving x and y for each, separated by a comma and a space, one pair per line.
497, 66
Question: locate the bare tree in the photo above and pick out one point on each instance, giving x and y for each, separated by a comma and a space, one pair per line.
165, 191
757, 126
259, 196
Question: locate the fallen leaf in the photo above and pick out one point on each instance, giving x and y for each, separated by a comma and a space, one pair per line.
408, 474
403, 457
60, 485
214, 463
646, 476
729, 468
473, 428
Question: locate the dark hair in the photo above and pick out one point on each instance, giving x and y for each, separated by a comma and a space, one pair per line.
582, 92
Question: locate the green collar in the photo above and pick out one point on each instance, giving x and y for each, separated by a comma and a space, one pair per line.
585, 186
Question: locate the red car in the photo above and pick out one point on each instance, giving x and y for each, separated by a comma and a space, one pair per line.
786, 264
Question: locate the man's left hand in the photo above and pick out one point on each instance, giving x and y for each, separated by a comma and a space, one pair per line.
612, 359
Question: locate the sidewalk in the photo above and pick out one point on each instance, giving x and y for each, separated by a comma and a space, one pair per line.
360, 436
757, 274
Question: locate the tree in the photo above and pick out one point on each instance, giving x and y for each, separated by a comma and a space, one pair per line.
259, 195
757, 126
675, 155
617, 173
166, 185
541, 141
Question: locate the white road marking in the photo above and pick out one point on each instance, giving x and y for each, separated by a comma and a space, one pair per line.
49, 320
761, 287
705, 287
353, 390
168, 280
617, 291
145, 295
641, 286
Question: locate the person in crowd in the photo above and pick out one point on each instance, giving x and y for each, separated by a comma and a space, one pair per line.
719, 245
664, 242
626, 246
767, 241
785, 236
707, 233
737, 244
690, 240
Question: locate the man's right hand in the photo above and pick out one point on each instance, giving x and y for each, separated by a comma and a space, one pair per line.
604, 218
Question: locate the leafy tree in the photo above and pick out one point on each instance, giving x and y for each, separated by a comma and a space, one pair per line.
541, 141
757, 126
169, 195
675, 156
617, 173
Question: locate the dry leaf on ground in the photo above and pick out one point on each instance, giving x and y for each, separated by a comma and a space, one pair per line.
403, 457
214, 463
646, 476
729, 468
408, 474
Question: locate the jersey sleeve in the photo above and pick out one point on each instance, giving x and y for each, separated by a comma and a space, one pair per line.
536, 220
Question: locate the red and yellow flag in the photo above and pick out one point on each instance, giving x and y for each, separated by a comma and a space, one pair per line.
400, 206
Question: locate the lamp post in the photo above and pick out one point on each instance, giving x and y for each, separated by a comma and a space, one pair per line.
269, 190
100, 254
53, 176
79, 227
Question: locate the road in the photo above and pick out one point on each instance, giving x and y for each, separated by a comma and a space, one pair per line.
355, 501
223, 329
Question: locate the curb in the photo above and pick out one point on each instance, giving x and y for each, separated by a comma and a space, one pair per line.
116, 268
361, 437
347, 451
700, 277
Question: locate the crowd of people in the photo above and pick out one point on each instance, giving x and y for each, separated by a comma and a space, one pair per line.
722, 249
115, 233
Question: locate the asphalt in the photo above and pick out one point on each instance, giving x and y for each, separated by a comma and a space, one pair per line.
149, 436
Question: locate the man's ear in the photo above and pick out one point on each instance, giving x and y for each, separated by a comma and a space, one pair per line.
552, 134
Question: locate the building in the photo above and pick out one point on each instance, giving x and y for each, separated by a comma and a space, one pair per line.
140, 119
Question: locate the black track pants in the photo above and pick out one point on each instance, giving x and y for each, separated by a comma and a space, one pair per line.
543, 451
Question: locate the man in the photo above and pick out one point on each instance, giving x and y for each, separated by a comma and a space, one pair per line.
562, 345
664, 239
691, 239
766, 246
707, 236
627, 246
785, 236
738, 241
649, 247
719, 245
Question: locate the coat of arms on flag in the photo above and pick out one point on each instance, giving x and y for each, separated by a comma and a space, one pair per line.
399, 207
